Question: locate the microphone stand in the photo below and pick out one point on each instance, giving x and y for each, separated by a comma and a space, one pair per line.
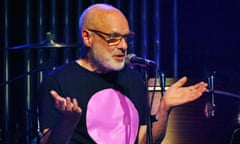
145, 64
149, 122
150, 118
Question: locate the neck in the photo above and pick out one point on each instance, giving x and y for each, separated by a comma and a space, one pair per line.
85, 63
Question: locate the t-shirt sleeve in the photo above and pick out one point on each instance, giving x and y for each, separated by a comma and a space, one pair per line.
48, 114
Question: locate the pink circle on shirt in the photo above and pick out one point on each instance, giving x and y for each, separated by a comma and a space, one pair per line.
112, 118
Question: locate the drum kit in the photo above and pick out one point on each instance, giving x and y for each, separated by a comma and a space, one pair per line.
47, 46
215, 114
49, 43
214, 89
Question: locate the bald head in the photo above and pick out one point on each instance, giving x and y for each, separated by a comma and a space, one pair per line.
102, 17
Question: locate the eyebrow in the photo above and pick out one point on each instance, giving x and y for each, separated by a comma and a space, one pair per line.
114, 32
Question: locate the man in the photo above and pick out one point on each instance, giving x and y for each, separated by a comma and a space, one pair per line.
97, 99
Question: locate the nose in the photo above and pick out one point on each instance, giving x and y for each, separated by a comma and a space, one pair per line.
123, 44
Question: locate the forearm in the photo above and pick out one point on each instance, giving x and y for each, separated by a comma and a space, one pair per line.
159, 127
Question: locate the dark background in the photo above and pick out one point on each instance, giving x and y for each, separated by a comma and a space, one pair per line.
189, 37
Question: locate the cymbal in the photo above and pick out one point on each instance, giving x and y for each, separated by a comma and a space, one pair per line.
48, 43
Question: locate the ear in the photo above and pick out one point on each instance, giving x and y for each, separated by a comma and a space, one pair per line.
86, 37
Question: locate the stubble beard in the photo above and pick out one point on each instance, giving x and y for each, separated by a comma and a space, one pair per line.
105, 63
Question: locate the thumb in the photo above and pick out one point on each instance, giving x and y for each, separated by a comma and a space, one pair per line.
180, 82
55, 95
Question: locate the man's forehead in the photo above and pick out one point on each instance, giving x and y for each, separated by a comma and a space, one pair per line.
107, 19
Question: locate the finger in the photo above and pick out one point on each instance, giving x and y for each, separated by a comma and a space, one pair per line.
199, 89
180, 82
55, 95
76, 107
60, 102
199, 84
75, 102
202, 86
69, 105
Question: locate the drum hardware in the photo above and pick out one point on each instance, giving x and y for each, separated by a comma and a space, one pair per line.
221, 92
235, 136
163, 83
210, 107
167, 82
46, 44
42, 67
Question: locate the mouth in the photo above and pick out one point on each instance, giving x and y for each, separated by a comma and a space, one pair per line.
120, 57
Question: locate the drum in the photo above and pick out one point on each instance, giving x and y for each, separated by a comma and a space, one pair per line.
191, 123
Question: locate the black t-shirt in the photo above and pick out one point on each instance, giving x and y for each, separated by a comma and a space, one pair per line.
71, 80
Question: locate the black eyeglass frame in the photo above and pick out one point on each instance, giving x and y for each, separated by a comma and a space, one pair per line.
114, 38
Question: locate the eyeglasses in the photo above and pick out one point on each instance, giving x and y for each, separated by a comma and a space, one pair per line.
113, 38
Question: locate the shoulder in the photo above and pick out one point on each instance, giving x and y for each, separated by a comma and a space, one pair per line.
65, 69
63, 72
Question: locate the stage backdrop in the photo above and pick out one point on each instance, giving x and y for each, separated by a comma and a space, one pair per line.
193, 38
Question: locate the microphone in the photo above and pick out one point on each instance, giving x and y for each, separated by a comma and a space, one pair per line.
132, 59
